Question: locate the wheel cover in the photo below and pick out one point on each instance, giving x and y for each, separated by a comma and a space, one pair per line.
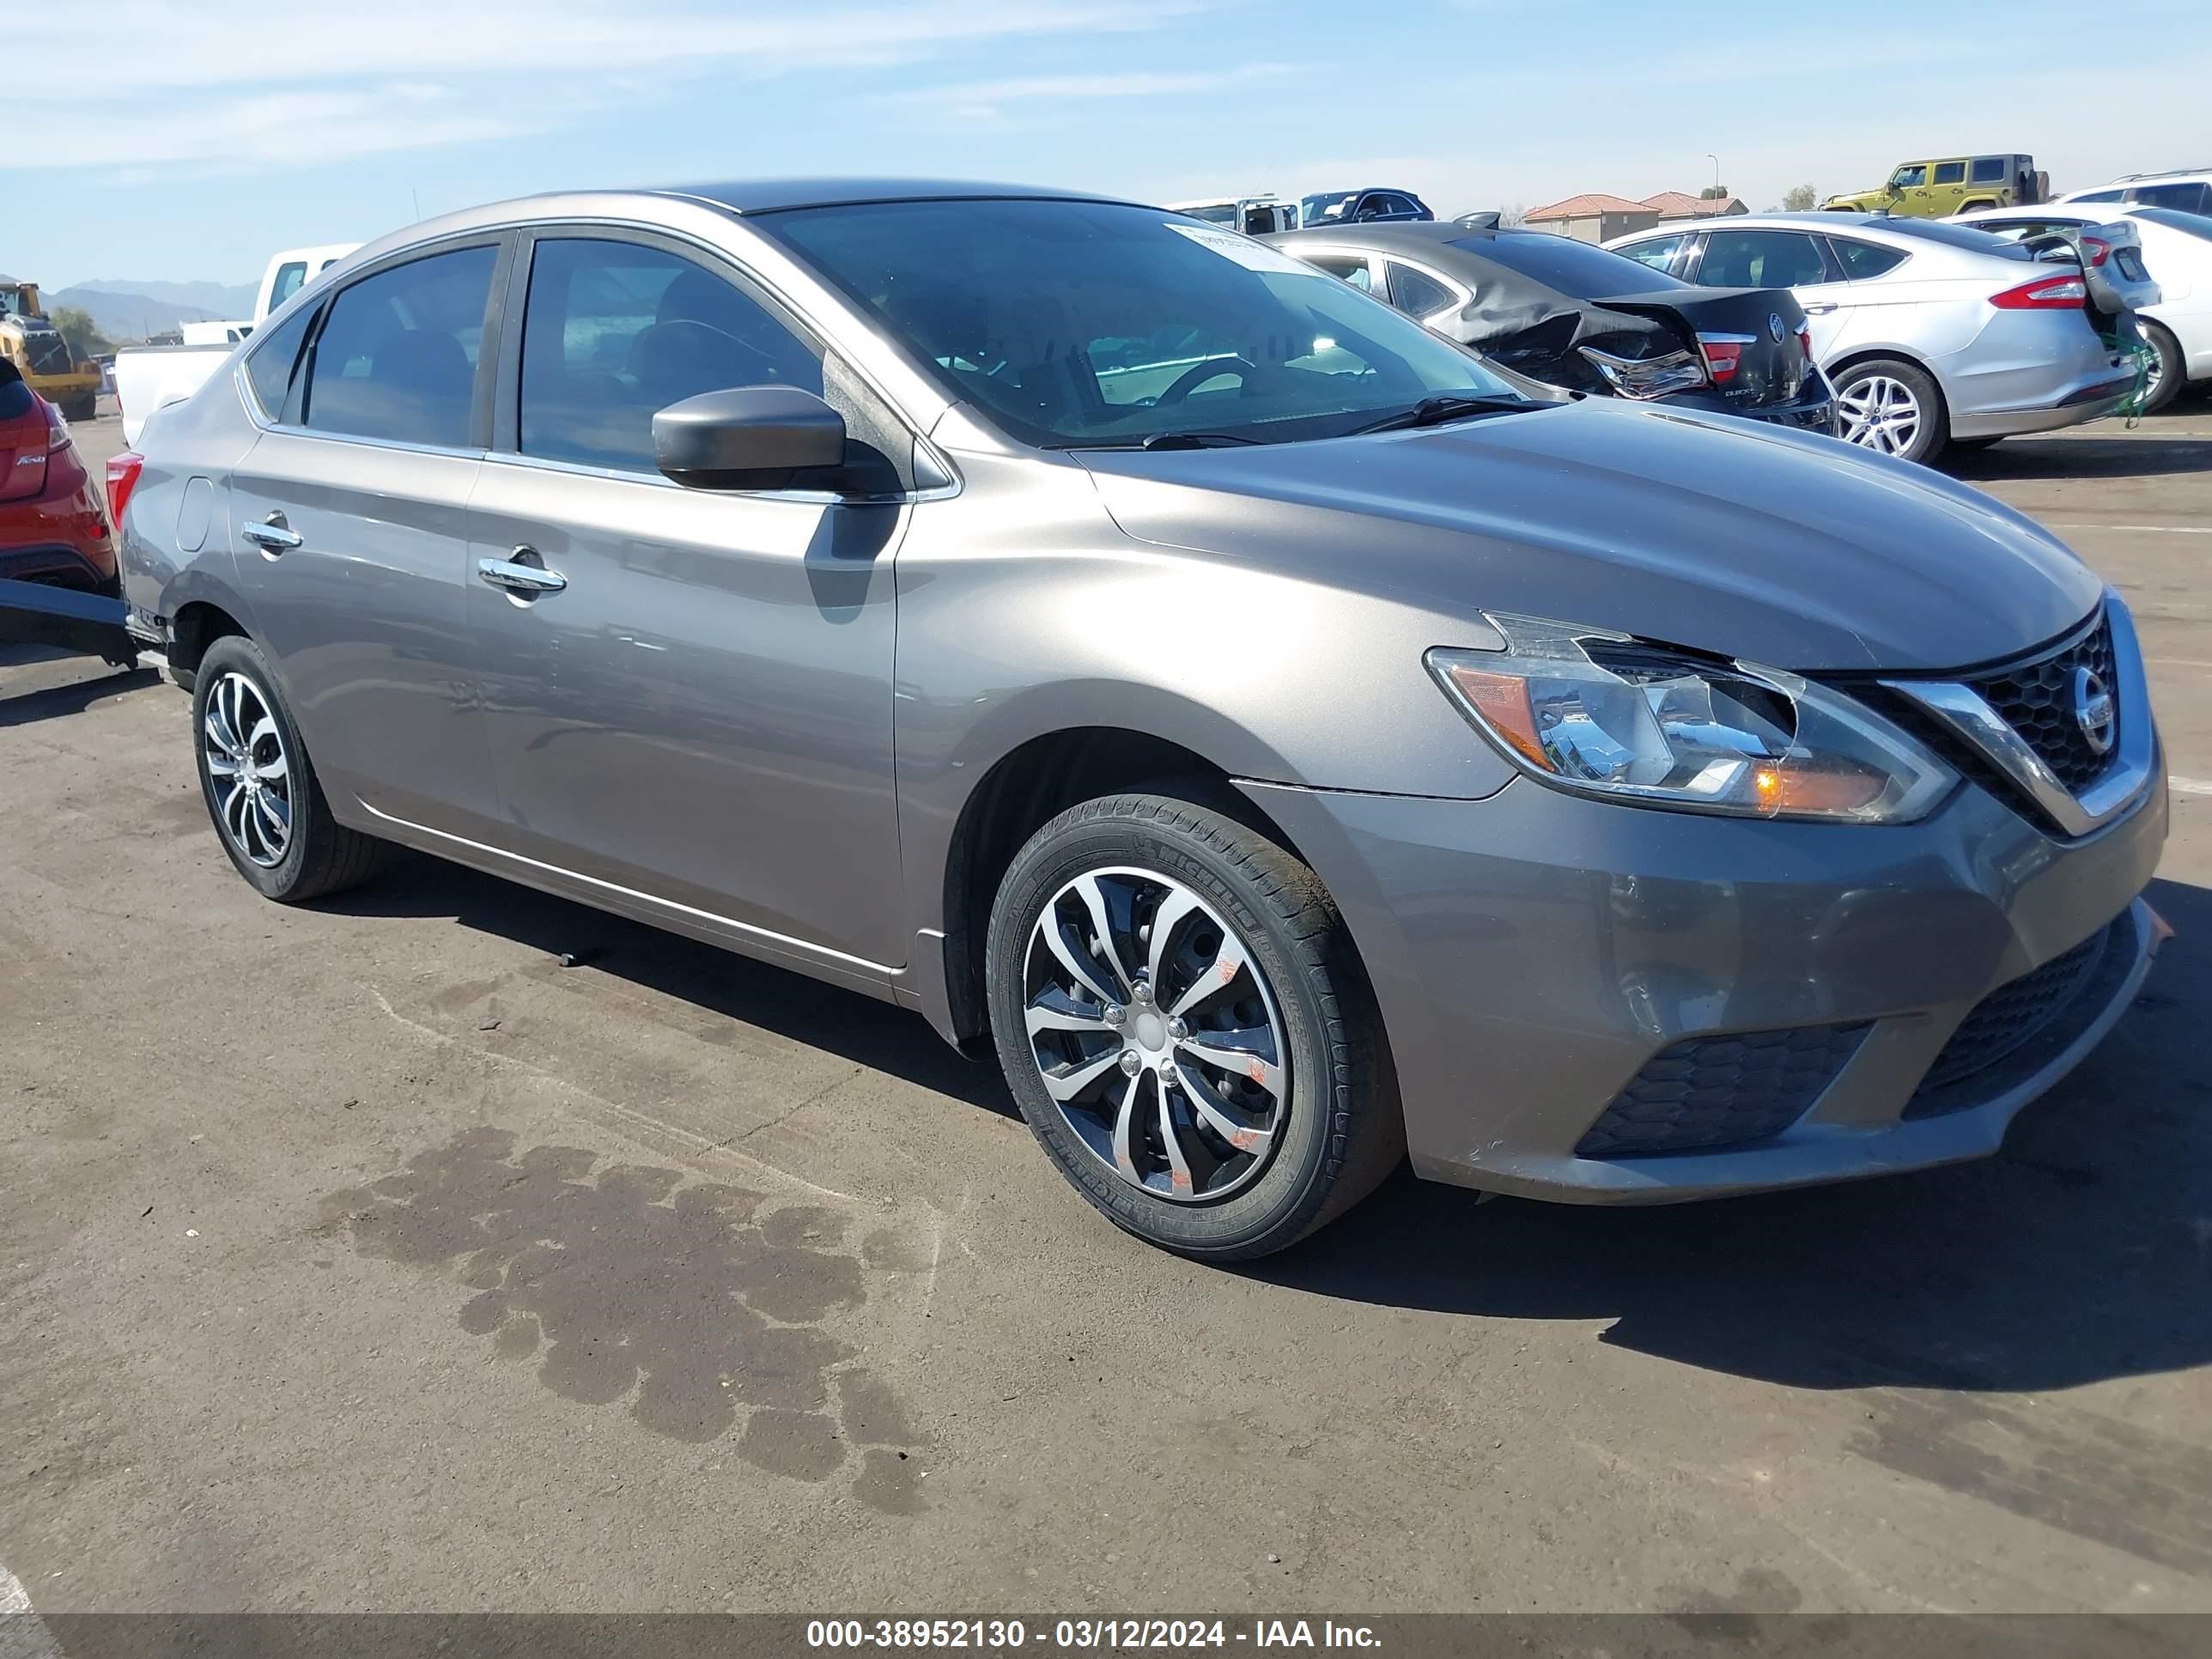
249, 774
1881, 413
1156, 1035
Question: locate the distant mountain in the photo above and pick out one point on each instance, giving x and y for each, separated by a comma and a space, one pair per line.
212, 299
124, 312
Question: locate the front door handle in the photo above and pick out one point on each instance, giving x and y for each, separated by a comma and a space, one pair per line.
520, 577
271, 534
1820, 308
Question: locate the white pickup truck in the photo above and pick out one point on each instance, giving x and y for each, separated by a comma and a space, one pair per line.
148, 378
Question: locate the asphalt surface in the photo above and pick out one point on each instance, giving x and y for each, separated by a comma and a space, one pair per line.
277, 1189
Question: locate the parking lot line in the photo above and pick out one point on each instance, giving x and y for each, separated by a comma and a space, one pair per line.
23, 1634
2189, 786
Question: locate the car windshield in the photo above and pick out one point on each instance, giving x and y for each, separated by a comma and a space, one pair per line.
1089, 323
2189, 224
1571, 267
1329, 205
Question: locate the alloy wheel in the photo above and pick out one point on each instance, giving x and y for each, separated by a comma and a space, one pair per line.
1880, 413
248, 770
1156, 1035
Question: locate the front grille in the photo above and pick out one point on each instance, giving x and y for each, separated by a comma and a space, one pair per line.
2036, 700
2010, 1018
49, 353
1705, 1092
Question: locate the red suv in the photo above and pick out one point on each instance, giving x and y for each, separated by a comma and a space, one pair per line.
53, 527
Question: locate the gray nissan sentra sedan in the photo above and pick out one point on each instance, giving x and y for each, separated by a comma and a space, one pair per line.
1288, 742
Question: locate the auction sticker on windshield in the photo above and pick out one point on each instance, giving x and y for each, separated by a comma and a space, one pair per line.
1243, 249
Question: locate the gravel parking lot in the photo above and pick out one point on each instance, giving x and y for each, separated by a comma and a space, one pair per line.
276, 1186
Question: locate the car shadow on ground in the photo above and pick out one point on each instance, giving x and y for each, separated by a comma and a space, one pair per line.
72, 695
859, 1028
2106, 449
2081, 1252
2081, 457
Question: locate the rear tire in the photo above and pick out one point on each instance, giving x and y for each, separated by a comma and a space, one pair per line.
81, 409
2170, 372
1317, 1125
1892, 408
260, 788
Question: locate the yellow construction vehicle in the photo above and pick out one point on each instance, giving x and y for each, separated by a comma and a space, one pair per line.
41, 355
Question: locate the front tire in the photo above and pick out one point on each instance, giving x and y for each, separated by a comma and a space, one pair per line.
1186, 1027
1893, 408
268, 810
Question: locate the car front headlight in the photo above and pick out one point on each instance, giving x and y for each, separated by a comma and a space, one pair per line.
1604, 714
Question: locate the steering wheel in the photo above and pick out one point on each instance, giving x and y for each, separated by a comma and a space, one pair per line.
1198, 373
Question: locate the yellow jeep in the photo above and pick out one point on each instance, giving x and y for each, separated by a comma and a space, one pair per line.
1937, 189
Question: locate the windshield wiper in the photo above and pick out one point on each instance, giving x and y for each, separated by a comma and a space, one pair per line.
1194, 440
1169, 440
1434, 411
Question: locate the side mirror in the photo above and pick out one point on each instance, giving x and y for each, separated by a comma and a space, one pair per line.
753, 437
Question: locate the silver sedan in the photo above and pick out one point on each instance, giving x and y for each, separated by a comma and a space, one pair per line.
1932, 334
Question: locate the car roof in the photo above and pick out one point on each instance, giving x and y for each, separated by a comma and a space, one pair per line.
743, 196
1879, 225
1408, 235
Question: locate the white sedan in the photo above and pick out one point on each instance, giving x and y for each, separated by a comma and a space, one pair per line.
1931, 332
2177, 247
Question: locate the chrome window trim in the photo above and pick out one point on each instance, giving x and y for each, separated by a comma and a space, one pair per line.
1968, 713
509, 458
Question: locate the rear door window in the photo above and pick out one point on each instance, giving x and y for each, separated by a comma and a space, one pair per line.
1950, 173
1659, 252
2183, 198
1761, 258
1345, 268
1417, 294
613, 331
396, 357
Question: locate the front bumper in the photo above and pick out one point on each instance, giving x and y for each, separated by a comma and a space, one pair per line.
1532, 952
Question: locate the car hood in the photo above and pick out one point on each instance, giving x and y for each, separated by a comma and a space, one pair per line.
1699, 531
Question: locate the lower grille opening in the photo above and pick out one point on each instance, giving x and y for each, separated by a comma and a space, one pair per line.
1707, 1092
2012, 1032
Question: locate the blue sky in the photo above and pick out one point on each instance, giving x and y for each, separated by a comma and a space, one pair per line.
224, 130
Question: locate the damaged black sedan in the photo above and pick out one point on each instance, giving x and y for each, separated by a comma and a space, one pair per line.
1571, 315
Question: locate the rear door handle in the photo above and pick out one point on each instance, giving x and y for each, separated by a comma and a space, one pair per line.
1821, 309
271, 534
520, 577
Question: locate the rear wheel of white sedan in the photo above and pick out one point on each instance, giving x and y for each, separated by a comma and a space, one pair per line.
2168, 372
1183, 1022
1887, 405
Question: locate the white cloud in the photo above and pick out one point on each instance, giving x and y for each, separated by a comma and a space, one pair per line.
266, 84
1136, 84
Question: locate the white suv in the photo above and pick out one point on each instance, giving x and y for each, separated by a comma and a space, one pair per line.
2186, 190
